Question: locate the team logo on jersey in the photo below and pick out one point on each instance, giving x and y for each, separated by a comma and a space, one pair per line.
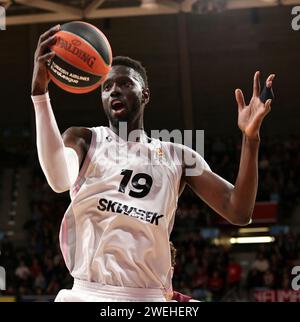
160, 156
117, 207
159, 152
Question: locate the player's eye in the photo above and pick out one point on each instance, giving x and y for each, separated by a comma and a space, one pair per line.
127, 84
107, 86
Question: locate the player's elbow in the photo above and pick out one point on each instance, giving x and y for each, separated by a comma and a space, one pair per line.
57, 179
57, 186
242, 222
59, 190
241, 218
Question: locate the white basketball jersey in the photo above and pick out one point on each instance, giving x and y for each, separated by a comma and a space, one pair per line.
117, 227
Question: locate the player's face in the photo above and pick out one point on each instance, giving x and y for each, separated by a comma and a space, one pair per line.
122, 95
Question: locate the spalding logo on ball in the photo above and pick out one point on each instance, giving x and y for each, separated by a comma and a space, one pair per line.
83, 58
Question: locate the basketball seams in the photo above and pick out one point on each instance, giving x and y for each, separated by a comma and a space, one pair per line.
95, 45
103, 37
85, 41
89, 45
71, 64
83, 58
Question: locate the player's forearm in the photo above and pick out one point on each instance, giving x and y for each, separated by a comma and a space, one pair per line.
58, 163
243, 195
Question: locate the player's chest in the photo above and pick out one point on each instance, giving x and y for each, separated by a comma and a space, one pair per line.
135, 167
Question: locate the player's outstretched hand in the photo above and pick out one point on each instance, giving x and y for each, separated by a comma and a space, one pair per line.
250, 116
40, 78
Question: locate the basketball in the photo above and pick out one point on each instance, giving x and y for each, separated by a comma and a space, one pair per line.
83, 58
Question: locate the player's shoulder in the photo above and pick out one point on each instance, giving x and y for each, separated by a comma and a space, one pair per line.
171, 145
167, 147
78, 132
77, 135
182, 150
192, 161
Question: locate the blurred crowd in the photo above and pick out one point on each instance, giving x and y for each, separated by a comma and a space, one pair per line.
15, 147
212, 273
279, 176
272, 266
203, 270
37, 267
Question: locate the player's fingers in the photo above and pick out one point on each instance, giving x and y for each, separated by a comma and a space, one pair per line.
44, 58
265, 110
267, 92
270, 80
258, 118
44, 45
49, 33
256, 84
240, 99
267, 107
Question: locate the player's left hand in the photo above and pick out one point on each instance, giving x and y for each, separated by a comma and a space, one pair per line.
250, 116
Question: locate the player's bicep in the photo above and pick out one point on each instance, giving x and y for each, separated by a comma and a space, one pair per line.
75, 138
193, 164
213, 190
210, 187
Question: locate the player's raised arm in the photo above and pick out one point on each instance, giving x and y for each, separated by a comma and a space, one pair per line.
236, 203
59, 161
40, 78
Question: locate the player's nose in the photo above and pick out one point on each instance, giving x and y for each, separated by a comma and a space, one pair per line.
115, 90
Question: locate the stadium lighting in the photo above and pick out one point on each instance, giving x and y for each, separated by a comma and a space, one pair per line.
253, 230
149, 4
252, 240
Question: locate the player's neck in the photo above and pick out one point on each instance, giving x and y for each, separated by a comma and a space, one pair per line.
129, 131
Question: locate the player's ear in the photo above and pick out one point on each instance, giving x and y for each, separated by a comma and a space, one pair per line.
145, 96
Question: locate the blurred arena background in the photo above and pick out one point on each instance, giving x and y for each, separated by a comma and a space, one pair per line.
196, 53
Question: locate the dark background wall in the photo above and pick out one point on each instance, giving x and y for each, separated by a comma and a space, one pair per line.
223, 51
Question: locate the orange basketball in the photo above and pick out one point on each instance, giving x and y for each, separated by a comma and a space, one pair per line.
83, 58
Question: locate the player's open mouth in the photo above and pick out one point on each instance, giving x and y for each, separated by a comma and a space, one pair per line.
117, 105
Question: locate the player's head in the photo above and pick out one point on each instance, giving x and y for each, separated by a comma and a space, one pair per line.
125, 91
134, 64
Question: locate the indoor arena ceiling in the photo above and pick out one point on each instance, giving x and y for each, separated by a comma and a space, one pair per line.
40, 11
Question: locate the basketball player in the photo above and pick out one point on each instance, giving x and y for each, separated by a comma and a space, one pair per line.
115, 234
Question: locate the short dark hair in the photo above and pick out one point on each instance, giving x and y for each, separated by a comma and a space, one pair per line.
132, 63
